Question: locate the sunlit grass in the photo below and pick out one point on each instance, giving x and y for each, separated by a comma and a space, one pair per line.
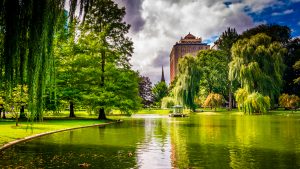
10, 132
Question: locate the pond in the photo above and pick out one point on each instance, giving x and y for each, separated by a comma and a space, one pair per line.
198, 141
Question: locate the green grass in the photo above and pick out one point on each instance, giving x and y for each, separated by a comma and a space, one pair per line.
10, 132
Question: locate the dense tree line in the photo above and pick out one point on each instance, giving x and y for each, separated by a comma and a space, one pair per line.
258, 66
68, 58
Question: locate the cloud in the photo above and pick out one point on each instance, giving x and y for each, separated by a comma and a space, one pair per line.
133, 13
298, 23
161, 59
164, 22
286, 12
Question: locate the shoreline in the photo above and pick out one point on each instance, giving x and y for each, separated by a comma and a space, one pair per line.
11, 143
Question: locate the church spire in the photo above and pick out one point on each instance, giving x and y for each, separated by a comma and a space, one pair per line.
162, 74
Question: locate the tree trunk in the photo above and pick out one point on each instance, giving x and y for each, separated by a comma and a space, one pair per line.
0, 113
102, 115
4, 117
72, 114
22, 113
17, 120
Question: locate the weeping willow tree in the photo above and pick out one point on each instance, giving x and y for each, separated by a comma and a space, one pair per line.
187, 85
258, 65
27, 28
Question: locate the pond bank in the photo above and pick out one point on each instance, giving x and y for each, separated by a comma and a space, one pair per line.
12, 135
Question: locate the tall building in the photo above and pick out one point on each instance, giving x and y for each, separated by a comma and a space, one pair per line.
187, 45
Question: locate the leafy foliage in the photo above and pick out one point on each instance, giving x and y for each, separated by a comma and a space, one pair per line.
27, 28
289, 101
226, 40
145, 91
159, 91
258, 65
16, 100
240, 97
278, 33
187, 85
213, 67
290, 73
296, 66
225, 43
214, 100
167, 102
256, 103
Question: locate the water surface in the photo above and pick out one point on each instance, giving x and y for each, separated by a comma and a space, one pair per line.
199, 141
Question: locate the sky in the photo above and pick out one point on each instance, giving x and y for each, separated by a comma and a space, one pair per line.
156, 25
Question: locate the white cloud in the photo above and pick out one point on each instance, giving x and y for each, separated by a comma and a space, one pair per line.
286, 12
168, 20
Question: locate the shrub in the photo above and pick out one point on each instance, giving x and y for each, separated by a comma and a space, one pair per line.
213, 100
289, 101
240, 97
256, 103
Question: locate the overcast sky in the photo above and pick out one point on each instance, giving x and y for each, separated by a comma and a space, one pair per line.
156, 25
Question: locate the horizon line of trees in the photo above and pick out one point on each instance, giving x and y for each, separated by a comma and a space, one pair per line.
257, 70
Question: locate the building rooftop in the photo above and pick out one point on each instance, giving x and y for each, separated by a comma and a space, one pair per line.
190, 36
190, 39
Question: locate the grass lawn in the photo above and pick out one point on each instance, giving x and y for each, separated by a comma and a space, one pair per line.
10, 132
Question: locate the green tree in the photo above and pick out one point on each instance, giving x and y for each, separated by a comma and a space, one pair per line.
145, 91
278, 33
67, 67
103, 35
224, 43
159, 91
296, 66
213, 67
187, 84
258, 65
17, 99
28, 28
240, 97
256, 103
292, 56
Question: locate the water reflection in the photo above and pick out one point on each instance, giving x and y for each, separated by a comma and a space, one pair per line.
154, 151
199, 141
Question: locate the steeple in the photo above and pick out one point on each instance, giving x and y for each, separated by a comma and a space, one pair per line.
162, 74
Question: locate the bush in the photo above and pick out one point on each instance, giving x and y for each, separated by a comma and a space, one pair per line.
167, 102
240, 97
256, 103
213, 100
289, 101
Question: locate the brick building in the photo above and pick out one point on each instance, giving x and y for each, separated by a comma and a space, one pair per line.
189, 44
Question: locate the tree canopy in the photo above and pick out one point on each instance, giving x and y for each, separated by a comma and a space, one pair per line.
27, 28
187, 84
145, 91
276, 32
258, 65
159, 90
